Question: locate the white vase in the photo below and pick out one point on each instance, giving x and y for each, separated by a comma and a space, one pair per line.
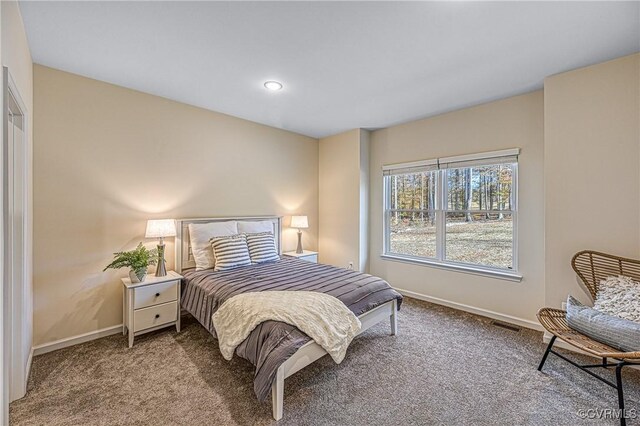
137, 277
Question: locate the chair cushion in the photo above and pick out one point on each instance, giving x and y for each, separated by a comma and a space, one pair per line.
616, 332
619, 296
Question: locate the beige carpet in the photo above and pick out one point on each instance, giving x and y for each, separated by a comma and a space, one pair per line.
444, 368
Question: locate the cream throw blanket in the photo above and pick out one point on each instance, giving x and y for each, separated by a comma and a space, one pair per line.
320, 316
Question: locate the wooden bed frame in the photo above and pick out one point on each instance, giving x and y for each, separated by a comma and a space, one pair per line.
309, 352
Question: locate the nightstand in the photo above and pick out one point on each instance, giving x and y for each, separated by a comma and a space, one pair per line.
309, 256
151, 304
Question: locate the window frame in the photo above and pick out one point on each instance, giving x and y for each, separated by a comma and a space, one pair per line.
441, 210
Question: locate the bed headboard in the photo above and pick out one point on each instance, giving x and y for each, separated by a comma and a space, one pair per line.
184, 256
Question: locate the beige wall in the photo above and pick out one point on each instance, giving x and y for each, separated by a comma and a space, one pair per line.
15, 51
343, 191
592, 168
508, 123
108, 158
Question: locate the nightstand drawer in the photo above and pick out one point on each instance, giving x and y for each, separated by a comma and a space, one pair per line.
154, 316
155, 294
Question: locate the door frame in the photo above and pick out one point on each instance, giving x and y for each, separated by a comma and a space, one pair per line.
16, 358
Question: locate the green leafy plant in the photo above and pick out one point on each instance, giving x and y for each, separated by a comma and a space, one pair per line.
138, 259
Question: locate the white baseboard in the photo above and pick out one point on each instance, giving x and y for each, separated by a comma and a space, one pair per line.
74, 340
474, 310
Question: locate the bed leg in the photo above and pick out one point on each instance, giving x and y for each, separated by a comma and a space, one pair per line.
394, 317
277, 394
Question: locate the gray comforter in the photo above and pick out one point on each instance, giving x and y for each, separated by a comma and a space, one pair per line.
272, 343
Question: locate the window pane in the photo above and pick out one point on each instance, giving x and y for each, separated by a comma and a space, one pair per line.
413, 233
480, 188
414, 191
480, 238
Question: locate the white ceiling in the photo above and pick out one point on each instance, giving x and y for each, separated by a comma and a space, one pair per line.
343, 65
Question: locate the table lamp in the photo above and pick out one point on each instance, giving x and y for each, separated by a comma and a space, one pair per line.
160, 228
300, 222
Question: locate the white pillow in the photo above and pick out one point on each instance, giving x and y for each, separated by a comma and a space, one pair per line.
200, 235
255, 227
619, 296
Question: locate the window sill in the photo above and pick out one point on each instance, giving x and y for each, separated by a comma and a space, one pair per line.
474, 270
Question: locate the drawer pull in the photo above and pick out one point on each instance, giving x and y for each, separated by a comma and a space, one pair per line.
155, 294
154, 316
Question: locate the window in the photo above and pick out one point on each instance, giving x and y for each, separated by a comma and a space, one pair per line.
456, 212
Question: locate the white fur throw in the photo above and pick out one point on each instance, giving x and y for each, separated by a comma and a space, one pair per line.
619, 296
320, 316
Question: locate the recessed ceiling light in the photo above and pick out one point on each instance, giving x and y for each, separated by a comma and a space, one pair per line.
273, 85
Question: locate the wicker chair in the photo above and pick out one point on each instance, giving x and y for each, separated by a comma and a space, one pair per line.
592, 267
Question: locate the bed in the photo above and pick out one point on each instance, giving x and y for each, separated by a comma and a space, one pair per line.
276, 349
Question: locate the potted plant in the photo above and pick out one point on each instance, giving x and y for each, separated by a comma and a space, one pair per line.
138, 260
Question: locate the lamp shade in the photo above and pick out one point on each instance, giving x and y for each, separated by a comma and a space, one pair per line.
299, 222
160, 228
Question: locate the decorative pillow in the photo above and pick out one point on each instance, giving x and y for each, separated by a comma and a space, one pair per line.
262, 247
255, 227
619, 296
230, 252
200, 235
616, 332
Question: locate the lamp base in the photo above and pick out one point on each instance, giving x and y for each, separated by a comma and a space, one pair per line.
161, 270
299, 248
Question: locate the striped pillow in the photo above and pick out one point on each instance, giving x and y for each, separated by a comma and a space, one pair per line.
262, 247
230, 252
